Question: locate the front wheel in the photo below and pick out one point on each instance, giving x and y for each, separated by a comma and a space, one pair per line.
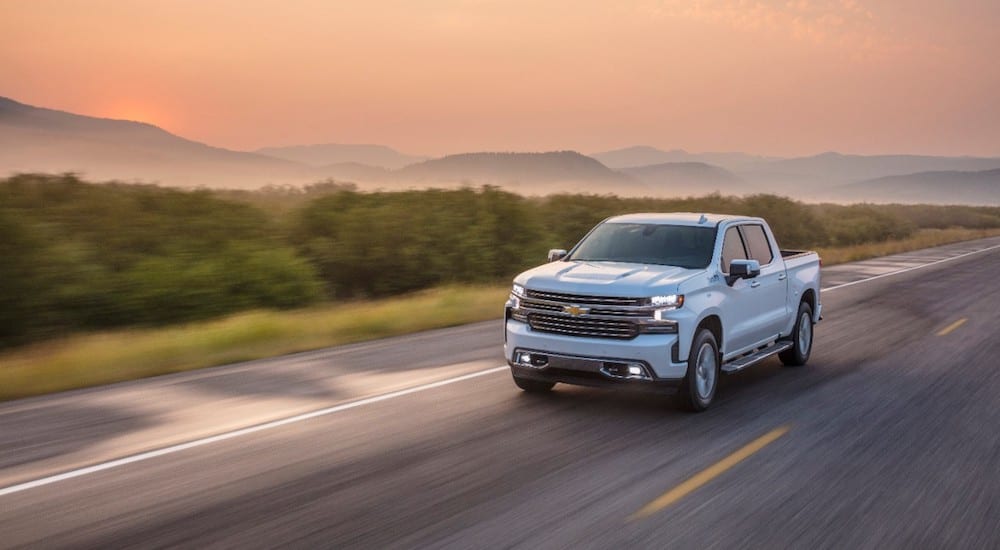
698, 388
802, 338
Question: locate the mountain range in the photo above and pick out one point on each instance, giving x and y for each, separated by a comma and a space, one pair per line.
35, 139
952, 186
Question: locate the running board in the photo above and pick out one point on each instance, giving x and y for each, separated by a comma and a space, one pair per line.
747, 360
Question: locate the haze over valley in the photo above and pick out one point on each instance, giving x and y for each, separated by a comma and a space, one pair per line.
37, 139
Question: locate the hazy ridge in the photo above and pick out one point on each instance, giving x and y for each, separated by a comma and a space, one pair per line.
981, 187
34, 139
326, 154
689, 178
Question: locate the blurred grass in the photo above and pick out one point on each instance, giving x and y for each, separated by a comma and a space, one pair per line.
102, 358
922, 238
115, 356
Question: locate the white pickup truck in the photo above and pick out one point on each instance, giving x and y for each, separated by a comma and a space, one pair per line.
662, 301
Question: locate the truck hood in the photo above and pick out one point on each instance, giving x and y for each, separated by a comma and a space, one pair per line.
606, 278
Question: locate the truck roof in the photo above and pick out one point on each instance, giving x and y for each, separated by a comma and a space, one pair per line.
678, 218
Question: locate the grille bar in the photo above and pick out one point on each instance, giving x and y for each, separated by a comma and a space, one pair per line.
583, 327
586, 300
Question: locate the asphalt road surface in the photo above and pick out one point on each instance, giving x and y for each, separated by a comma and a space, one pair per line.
890, 437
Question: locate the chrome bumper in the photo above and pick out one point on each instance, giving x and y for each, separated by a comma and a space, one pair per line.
645, 358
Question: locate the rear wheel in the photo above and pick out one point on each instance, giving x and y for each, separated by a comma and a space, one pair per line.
533, 386
802, 338
698, 389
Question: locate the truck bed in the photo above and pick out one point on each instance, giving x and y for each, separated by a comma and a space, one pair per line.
786, 254
796, 260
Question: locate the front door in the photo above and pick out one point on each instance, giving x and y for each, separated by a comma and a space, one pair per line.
740, 316
771, 285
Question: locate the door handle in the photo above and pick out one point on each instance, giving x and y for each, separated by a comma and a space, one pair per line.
755, 284
782, 277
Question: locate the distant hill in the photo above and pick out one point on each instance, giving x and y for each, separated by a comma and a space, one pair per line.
335, 153
940, 187
531, 173
34, 139
688, 178
857, 167
808, 178
642, 155
827, 176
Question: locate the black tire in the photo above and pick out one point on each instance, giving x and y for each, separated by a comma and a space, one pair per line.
533, 386
695, 396
802, 338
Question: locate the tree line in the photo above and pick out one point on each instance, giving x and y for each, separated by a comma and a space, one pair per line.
85, 256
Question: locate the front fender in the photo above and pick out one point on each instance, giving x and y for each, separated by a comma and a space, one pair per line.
702, 306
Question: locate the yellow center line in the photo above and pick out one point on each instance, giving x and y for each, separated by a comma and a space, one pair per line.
948, 329
709, 474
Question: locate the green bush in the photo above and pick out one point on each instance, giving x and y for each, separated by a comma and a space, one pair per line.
378, 244
862, 223
82, 256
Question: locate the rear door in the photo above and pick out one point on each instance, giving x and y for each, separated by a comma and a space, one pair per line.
771, 285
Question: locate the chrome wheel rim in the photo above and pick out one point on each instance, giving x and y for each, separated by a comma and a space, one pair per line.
805, 333
705, 370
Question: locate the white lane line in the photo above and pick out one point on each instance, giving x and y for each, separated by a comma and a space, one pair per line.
904, 270
335, 409
237, 433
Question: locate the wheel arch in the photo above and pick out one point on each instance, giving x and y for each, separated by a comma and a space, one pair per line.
713, 323
809, 297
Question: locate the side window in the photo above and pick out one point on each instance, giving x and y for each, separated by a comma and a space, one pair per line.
732, 248
757, 244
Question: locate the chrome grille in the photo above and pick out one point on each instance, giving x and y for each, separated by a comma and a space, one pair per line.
541, 305
583, 326
586, 300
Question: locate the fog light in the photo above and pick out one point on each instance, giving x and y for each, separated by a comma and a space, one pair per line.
625, 371
526, 359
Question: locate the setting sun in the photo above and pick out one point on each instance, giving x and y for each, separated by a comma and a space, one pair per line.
137, 111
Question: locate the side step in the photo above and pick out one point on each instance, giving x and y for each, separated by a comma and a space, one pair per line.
745, 361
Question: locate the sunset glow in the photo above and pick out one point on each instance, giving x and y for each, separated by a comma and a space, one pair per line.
770, 77
131, 109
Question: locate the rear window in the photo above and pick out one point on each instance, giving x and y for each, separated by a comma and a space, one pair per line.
757, 244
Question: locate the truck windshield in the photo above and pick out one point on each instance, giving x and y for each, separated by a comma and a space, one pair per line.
641, 243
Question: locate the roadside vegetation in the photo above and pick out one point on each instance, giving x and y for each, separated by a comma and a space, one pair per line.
922, 238
92, 359
104, 282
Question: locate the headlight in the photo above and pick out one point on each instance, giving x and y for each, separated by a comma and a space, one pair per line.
671, 301
516, 293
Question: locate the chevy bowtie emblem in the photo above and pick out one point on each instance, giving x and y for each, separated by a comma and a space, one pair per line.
576, 310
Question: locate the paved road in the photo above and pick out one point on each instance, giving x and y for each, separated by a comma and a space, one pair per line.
888, 438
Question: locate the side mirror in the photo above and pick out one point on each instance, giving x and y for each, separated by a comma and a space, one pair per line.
743, 269
556, 254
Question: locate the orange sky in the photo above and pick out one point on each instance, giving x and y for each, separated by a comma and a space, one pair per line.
440, 76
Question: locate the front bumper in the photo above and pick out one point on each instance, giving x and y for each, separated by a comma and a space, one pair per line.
594, 361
